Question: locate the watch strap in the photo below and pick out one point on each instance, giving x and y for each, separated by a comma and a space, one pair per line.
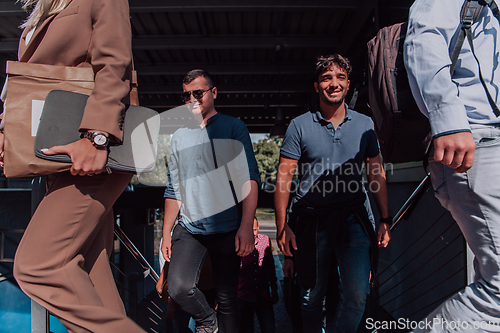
91, 136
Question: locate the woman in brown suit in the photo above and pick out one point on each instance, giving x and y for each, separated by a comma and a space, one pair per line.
62, 260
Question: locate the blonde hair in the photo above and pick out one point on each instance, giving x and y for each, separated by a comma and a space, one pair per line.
42, 9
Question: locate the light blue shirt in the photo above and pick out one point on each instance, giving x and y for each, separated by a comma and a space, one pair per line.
451, 103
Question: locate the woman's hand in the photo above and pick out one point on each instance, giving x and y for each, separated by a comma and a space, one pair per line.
86, 158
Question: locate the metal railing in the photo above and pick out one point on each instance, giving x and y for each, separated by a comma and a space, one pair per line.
146, 309
412, 200
426, 262
148, 269
3, 241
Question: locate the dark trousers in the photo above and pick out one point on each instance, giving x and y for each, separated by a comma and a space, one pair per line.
189, 252
265, 315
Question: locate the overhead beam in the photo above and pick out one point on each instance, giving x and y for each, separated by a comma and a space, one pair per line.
240, 5
204, 43
232, 88
354, 27
227, 69
11, 8
232, 42
236, 103
166, 105
9, 45
259, 129
262, 114
250, 112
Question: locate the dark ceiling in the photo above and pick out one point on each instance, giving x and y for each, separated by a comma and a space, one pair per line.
261, 52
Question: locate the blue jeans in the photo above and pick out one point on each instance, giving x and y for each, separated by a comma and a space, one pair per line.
353, 259
473, 199
189, 253
265, 314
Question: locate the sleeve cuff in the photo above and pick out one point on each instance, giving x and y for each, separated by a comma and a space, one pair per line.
451, 132
449, 119
256, 179
289, 155
169, 193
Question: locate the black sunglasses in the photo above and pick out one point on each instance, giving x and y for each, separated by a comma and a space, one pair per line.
198, 94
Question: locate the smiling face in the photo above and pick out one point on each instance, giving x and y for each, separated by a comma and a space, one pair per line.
332, 85
205, 104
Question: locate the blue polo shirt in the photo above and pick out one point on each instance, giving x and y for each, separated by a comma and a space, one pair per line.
207, 169
330, 161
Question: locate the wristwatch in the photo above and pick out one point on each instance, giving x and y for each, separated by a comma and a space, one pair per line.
98, 139
387, 220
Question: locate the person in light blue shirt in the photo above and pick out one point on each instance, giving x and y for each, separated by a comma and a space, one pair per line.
465, 157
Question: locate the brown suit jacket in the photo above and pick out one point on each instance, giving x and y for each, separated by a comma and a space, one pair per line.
96, 32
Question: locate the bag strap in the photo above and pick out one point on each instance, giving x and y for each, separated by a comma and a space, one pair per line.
134, 92
354, 97
37, 39
470, 13
493, 6
33, 45
493, 105
226, 169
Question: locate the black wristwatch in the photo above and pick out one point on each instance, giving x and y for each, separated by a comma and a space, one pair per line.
98, 139
387, 220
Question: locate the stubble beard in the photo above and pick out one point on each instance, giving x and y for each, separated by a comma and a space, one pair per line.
335, 100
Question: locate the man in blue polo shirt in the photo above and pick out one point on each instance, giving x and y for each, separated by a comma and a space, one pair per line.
213, 180
331, 220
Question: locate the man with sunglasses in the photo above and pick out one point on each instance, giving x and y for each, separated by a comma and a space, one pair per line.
213, 180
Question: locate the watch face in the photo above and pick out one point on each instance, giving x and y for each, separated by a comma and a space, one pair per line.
100, 139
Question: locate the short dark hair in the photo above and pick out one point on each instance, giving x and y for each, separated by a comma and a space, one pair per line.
324, 63
196, 73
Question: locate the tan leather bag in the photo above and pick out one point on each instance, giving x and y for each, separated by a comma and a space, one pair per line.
27, 86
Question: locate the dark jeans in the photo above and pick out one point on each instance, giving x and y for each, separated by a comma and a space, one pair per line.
188, 255
182, 318
353, 269
265, 315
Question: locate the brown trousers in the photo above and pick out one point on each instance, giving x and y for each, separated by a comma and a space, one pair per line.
62, 259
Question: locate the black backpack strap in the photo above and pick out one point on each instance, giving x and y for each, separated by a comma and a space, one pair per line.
470, 13
493, 105
493, 6
226, 168
354, 98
